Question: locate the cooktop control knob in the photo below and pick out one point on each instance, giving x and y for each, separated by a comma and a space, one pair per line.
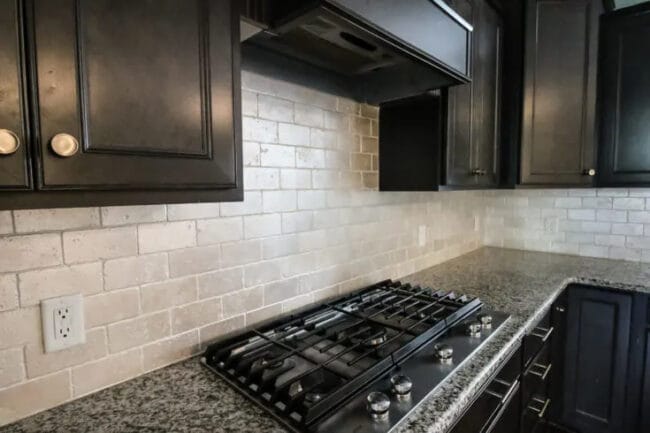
486, 320
474, 329
402, 386
443, 353
378, 404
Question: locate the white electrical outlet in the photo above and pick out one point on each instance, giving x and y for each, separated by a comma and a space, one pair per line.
422, 235
63, 322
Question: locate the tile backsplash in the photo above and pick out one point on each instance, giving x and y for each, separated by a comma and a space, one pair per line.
160, 281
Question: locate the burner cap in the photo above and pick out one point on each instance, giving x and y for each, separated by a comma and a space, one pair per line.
372, 337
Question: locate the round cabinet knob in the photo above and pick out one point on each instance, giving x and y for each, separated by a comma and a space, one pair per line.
474, 329
402, 386
9, 142
486, 320
590, 172
64, 145
378, 404
443, 353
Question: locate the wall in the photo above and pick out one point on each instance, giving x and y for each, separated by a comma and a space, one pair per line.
609, 223
160, 281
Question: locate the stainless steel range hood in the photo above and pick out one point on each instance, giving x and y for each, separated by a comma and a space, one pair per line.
390, 49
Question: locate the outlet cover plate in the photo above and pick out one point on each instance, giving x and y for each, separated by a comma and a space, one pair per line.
63, 322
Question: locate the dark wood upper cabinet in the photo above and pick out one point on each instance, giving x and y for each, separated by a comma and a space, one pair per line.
421, 148
14, 133
147, 89
560, 70
473, 132
624, 98
597, 356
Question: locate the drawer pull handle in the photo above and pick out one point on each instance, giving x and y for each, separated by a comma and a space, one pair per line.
542, 333
540, 411
540, 371
512, 387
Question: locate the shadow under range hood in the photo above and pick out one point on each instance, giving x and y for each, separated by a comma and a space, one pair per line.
386, 49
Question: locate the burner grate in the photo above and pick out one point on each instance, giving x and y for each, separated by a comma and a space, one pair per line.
303, 367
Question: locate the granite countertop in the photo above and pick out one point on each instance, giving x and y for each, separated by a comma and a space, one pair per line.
185, 397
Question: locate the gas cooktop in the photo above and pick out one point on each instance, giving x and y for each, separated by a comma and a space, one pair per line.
362, 361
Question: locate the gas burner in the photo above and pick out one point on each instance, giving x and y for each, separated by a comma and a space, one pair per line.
373, 336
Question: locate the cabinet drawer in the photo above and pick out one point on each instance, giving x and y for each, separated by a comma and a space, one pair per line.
535, 340
537, 377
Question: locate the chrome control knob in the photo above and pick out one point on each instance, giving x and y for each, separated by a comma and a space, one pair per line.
378, 404
402, 386
443, 353
64, 145
486, 320
474, 329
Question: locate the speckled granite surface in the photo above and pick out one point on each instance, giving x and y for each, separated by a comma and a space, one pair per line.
187, 398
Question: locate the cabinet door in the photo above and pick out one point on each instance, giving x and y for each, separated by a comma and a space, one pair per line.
473, 109
624, 100
559, 91
596, 362
14, 138
149, 90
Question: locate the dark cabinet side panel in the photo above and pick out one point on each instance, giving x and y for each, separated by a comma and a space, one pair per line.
149, 89
14, 167
596, 362
624, 93
559, 91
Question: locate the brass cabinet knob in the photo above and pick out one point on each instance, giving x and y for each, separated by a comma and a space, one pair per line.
9, 142
64, 145
589, 172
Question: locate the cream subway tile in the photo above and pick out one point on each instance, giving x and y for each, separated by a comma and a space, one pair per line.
195, 315
124, 215
582, 214
219, 329
625, 254
263, 131
613, 192
336, 121
629, 203
262, 314
8, 292
638, 242
647, 203
215, 231
295, 178
594, 251
347, 106
349, 142
35, 286
39, 363
280, 291
279, 246
136, 332
580, 238
249, 103
370, 180
297, 302
325, 139
274, 155
362, 126
295, 222
257, 226
105, 372
194, 260
240, 253
369, 145
153, 238
18, 401
337, 159
261, 178
179, 212
293, 135
627, 229
20, 326
639, 217
160, 296
171, 350
260, 273
251, 154
25, 252
279, 201
310, 158
596, 227
29, 221
597, 202
12, 368
252, 204
111, 307
93, 245
272, 108
312, 199
568, 202
610, 240
325, 179
220, 282
132, 271
360, 161
611, 215
639, 192
309, 115
6, 223
370, 111
242, 301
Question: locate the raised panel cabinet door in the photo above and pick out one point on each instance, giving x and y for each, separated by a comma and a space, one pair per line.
624, 93
596, 360
560, 69
138, 94
14, 137
487, 91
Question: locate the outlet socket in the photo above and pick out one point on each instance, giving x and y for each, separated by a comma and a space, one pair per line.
63, 322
